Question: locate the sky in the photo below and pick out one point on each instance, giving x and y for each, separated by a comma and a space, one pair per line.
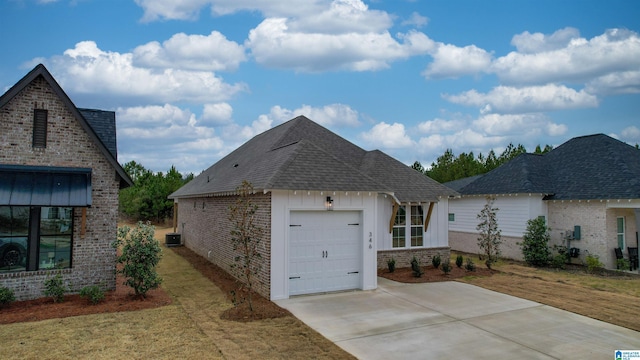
191, 80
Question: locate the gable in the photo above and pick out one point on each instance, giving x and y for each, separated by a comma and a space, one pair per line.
40, 73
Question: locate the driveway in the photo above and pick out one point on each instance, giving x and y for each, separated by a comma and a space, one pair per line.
455, 320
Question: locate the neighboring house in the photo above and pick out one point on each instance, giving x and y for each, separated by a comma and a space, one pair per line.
59, 182
332, 212
588, 190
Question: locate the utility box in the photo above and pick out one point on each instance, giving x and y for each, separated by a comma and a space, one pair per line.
576, 232
172, 239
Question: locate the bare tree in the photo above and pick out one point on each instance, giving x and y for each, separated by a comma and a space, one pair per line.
490, 235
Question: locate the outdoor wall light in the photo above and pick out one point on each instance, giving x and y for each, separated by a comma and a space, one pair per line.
329, 203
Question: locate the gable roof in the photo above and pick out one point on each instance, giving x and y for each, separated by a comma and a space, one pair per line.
587, 167
302, 155
103, 135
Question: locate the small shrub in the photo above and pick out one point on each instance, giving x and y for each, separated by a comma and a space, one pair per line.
559, 261
391, 264
623, 264
593, 263
7, 296
535, 243
54, 288
92, 293
141, 254
459, 261
446, 266
470, 266
435, 261
415, 266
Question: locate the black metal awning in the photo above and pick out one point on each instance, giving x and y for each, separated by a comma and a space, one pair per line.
45, 186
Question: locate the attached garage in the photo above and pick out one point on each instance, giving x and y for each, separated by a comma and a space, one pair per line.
325, 251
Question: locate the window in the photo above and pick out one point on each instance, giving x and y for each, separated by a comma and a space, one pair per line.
620, 223
39, 128
35, 238
414, 228
400, 228
452, 217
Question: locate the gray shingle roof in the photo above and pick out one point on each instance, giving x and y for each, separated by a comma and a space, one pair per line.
302, 155
104, 124
586, 167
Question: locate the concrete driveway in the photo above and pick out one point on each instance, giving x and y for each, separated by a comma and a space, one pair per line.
450, 320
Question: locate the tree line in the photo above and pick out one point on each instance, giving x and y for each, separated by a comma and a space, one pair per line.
449, 167
147, 198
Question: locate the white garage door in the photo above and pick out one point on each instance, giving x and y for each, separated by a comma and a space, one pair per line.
325, 252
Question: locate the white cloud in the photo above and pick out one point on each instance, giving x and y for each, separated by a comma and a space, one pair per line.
171, 9
332, 115
272, 44
625, 82
416, 20
89, 70
192, 52
388, 136
521, 125
158, 115
440, 125
617, 50
506, 99
216, 114
342, 17
631, 134
450, 61
528, 43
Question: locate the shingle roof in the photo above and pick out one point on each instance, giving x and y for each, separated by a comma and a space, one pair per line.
101, 136
104, 124
587, 167
302, 155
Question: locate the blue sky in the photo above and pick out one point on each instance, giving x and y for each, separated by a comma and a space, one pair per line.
191, 80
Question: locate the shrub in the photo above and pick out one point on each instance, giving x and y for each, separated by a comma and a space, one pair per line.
459, 261
535, 243
490, 238
593, 263
391, 264
470, 266
7, 296
92, 293
140, 255
446, 266
415, 266
435, 261
559, 261
623, 264
54, 288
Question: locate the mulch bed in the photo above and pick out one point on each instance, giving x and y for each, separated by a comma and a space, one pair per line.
262, 307
121, 299
432, 274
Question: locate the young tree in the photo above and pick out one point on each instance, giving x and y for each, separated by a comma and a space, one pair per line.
141, 254
535, 243
490, 235
245, 237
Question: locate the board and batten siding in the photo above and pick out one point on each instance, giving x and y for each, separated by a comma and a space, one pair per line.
512, 215
285, 201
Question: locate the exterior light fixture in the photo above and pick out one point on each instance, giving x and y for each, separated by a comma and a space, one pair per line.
329, 203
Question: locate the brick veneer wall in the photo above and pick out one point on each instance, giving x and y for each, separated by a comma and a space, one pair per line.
403, 257
468, 243
68, 145
205, 228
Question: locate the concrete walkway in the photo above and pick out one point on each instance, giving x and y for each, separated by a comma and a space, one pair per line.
451, 320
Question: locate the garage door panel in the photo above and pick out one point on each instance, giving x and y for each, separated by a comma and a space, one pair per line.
325, 251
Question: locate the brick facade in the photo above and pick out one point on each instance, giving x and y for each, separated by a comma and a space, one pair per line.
205, 228
68, 145
403, 257
468, 243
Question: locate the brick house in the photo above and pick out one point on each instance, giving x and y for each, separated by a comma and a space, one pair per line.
59, 182
332, 213
588, 190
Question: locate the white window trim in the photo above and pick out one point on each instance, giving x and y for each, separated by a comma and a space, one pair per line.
624, 240
408, 226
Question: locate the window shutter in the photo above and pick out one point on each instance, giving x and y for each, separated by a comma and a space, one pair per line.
39, 128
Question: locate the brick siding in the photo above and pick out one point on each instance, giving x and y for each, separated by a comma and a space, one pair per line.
205, 228
403, 257
68, 145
